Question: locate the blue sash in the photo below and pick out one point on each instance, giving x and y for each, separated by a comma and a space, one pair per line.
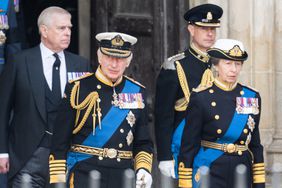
4, 7
207, 157
110, 124
176, 144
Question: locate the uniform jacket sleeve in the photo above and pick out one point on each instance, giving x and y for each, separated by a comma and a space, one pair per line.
143, 145
166, 93
191, 140
7, 94
257, 150
61, 139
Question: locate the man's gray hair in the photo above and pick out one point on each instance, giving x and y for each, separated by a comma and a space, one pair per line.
46, 16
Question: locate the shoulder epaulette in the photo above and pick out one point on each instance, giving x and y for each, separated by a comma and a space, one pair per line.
201, 88
169, 62
251, 88
81, 77
132, 80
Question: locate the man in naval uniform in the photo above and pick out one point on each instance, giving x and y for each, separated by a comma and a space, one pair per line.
178, 76
102, 122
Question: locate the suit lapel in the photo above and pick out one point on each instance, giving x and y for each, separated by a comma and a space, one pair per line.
37, 80
70, 64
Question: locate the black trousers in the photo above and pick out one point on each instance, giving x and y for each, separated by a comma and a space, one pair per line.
37, 167
110, 177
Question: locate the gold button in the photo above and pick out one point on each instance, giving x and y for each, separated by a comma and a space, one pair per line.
242, 142
118, 160
239, 152
100, 158
219, 131
121, 130
230, 148
242, 92
120, 145
211, 91
245, 131
213, 103
216, 117
99, 86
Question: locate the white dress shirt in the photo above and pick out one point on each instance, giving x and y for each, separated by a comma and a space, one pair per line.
48, 60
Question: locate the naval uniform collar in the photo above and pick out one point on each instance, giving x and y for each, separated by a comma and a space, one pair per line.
224, 85
102, 78
202, 56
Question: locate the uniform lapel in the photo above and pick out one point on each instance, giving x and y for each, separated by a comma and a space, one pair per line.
37, 80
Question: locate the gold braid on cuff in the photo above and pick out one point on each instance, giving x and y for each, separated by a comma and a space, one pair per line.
184, 175
144, 160
57, 170
258, 173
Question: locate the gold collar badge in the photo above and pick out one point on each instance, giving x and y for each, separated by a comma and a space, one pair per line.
236, 51
117, 41
115, 100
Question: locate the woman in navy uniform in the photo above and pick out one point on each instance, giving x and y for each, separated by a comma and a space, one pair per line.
222, 126
102, 122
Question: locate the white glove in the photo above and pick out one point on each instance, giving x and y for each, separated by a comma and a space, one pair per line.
143, 179
167, 168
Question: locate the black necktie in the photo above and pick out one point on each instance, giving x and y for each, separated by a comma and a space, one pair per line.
56, 84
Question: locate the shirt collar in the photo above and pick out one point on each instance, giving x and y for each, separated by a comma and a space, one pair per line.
46, 52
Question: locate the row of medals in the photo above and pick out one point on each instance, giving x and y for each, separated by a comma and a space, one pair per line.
3, 26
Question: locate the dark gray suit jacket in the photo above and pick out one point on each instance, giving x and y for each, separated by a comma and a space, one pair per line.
22, 90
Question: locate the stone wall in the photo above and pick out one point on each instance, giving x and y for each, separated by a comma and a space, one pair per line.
258, 24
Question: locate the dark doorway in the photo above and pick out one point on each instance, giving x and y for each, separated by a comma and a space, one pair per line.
31, 11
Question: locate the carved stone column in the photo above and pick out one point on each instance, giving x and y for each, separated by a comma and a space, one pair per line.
84, 28
275, 150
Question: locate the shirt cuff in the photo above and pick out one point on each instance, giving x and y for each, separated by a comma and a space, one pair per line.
4, 155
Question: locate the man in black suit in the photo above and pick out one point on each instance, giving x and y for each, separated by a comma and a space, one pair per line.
30, 90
